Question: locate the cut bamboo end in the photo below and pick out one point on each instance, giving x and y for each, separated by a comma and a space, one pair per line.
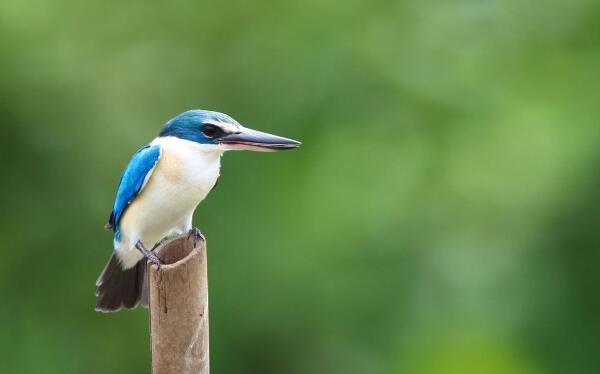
178, 298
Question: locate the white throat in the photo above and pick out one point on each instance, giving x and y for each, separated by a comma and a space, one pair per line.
190, 151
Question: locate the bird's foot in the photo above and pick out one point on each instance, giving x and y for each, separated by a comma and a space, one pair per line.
153, 257
196, 235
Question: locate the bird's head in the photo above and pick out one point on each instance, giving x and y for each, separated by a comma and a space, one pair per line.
223, 132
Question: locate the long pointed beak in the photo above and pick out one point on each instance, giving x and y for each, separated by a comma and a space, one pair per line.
253, 140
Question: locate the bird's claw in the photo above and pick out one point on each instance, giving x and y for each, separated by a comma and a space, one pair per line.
150, 255
196, 235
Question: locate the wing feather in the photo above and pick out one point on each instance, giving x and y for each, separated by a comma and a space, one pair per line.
134, 179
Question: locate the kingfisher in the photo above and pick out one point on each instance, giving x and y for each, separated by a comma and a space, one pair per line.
159, 191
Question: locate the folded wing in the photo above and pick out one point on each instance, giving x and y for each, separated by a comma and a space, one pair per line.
136, 175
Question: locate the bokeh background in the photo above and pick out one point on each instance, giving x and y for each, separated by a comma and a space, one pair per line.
441, 216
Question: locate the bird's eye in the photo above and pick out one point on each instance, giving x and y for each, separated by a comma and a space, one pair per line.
211, 131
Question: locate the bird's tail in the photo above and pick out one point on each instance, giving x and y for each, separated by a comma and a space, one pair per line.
117, 288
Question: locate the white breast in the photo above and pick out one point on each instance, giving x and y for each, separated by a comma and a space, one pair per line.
184, 175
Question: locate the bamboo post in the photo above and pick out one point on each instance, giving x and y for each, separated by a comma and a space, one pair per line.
178, 296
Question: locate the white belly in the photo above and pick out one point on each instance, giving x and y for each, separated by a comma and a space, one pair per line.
184, 175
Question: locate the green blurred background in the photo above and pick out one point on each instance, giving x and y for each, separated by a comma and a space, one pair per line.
441, 216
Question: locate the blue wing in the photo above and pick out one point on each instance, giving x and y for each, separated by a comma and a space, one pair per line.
132, 181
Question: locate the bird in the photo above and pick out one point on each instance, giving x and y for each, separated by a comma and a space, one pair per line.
160, 189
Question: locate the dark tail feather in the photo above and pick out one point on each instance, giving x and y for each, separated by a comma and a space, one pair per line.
117, 288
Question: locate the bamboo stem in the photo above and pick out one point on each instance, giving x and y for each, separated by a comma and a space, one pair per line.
178, 293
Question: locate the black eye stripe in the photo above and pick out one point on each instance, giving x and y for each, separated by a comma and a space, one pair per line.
211, 131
